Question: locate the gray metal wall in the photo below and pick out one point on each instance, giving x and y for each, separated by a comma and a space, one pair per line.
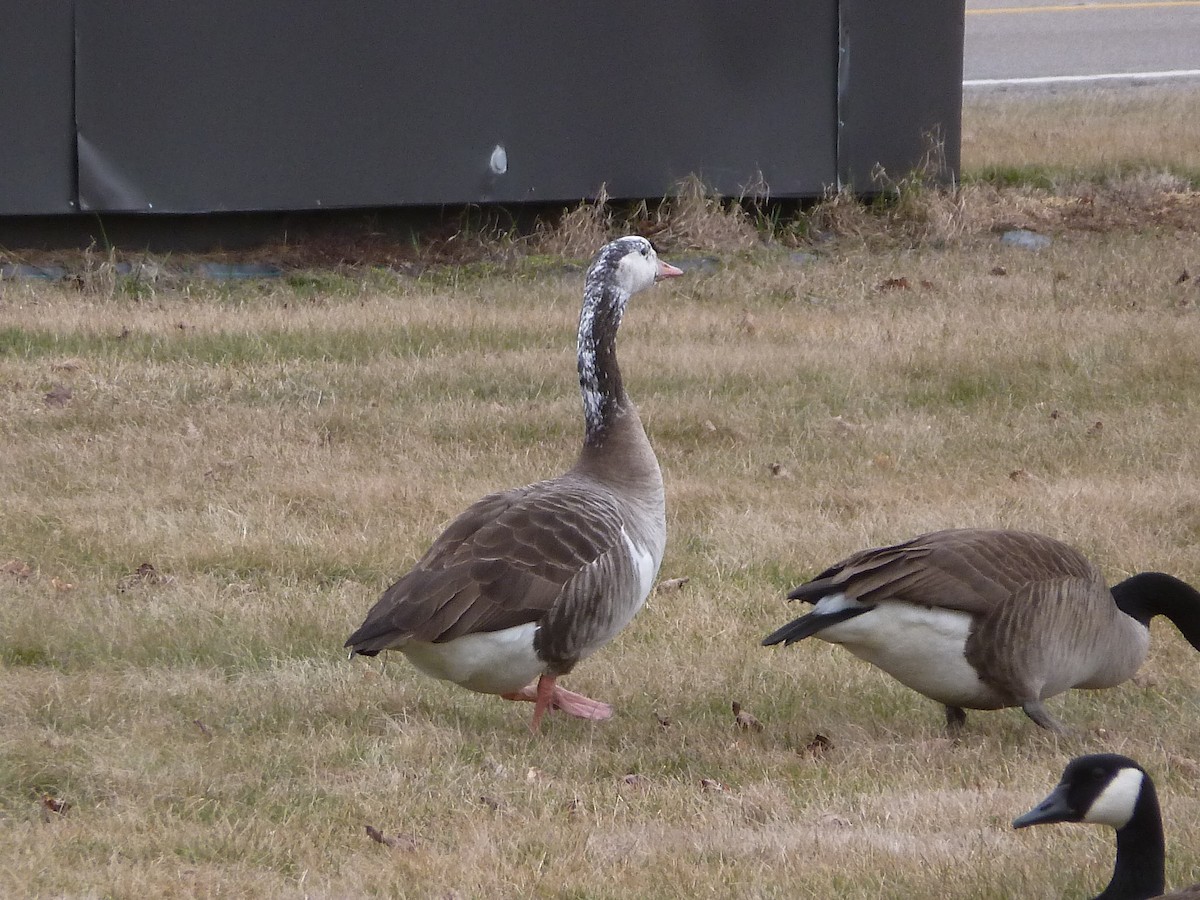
37, 94
315, 104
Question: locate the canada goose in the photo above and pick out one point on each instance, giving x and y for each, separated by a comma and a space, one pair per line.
526, 583
980, 619
1107, 789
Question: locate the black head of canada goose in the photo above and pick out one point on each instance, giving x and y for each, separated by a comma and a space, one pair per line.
527, 582
1113, 790
979, 619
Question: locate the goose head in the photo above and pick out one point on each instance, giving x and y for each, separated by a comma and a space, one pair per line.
628, 264
1102, 788
1108, 789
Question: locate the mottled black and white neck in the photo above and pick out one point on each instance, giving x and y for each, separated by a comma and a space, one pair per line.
621, 269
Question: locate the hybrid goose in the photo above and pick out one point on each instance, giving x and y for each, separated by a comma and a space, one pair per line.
980, 619
526, 583
1107, 789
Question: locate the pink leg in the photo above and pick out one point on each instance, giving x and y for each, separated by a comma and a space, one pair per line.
548, 695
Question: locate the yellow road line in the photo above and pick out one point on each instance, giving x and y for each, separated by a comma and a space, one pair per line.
1077, 7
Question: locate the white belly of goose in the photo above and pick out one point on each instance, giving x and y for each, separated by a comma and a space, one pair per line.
491, 662
921, 647
501, 662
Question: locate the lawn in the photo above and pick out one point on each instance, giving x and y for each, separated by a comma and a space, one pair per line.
205, 485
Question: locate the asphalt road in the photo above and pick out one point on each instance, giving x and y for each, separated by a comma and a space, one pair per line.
1101, 40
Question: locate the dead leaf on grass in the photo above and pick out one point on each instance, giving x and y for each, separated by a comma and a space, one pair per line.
204, 729
830, 820
747, 323
818, 744
1183, 276
56, 805
18, 569
59, 395
745, 720
841, 426
145, 574
395, 841
671, 584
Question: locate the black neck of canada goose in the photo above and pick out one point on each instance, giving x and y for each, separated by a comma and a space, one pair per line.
1150, 594
1140, 867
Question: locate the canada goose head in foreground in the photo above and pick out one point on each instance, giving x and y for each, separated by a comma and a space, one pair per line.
1113, 790
978, 619
527, 582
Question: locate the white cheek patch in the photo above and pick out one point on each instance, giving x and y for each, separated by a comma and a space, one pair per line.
1114, 807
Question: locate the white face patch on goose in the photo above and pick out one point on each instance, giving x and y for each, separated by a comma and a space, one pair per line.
1114, 807
636, 270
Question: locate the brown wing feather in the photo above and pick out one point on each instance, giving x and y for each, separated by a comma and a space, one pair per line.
503, 562
971, 570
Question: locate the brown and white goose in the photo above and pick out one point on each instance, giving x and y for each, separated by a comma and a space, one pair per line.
979, 619
1109, 789
526, 583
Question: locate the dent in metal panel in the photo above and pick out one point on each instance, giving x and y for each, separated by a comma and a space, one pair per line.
843, 80
102, 185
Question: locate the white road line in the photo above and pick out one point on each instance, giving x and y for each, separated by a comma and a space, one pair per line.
1078, 7
1077, 79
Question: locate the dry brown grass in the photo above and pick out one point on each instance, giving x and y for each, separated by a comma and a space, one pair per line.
1097, 131
278, 452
